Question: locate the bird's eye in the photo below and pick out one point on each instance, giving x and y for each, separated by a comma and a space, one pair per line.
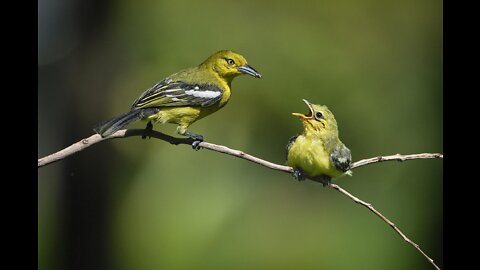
319, 115
230, 62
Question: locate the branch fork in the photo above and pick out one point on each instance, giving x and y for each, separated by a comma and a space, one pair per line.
94, 139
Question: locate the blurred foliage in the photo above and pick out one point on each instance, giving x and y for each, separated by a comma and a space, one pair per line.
376, 64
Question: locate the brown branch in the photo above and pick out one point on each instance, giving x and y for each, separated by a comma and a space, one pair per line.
94, 139
386, 220
397, 157
87, 142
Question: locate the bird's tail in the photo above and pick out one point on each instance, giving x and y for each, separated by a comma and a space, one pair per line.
113, 125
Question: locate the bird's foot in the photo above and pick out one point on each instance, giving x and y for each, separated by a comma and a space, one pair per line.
148, 129
197, 139
196, 145
299, 174
324, 179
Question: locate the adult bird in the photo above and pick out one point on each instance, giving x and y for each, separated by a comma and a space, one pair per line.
317, 152
186, 96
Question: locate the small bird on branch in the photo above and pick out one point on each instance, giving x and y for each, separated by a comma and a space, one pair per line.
186, 96
317, 153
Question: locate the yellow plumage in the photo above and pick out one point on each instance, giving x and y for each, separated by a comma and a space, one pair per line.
186, 96
317, 152
309, 154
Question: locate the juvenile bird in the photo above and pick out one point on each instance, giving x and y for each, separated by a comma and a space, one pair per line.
186, 96
317, 152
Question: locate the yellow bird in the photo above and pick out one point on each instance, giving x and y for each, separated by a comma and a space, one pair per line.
186, 96
317, 152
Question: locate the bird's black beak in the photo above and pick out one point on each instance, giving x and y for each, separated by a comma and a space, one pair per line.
249, 70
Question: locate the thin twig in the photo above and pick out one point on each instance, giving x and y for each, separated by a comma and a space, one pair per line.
94, 139
386, 220
397, 157
87, 142
79, 146
241, 154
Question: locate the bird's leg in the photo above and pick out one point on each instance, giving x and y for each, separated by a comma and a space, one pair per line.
196, 137
298, 174
148, 128
324, 179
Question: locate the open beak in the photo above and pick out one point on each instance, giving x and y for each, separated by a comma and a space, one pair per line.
249, 70
307, 116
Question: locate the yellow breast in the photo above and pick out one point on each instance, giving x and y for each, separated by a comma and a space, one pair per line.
311, 156
185, 116
176, 115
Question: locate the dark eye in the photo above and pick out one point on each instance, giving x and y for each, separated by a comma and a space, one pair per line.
319, 115
230, 62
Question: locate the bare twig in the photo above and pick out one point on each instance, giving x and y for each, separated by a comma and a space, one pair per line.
84, 143
397, 157
386, 220
79, 146
124, 133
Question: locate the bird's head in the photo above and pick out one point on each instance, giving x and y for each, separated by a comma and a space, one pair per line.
319, 120
228, 65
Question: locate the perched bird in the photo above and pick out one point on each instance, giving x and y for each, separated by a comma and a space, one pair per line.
317, 152
186, 96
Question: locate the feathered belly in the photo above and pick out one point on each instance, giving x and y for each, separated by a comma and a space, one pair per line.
181, 115
178, 115
311, 157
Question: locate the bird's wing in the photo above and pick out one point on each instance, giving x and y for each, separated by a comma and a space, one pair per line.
168, 93
290, 142
341, 157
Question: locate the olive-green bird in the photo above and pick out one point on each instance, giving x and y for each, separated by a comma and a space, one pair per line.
317, 152
186, 96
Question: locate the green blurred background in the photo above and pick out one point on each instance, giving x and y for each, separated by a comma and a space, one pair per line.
145, 204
